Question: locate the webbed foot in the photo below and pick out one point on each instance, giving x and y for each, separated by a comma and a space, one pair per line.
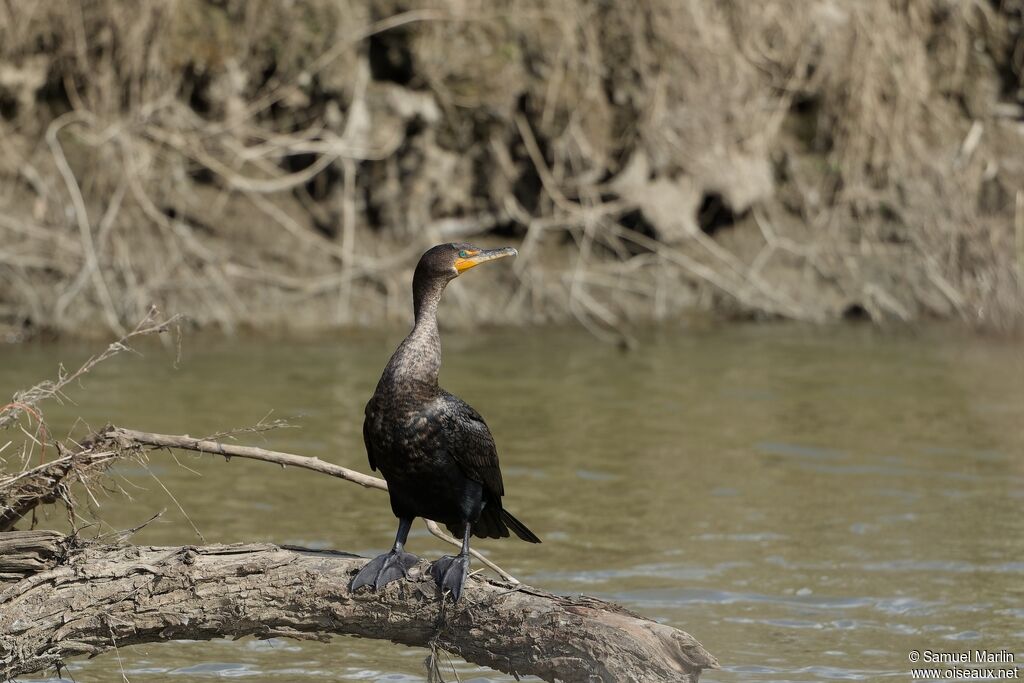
383, 569
450, 574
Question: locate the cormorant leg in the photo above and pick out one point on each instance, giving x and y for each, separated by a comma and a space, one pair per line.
450, 572
391, 566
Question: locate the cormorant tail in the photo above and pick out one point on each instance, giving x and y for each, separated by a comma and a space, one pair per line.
518, 528
494, 522
489, 525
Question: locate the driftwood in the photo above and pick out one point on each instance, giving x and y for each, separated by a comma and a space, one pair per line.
60, 598
85, 599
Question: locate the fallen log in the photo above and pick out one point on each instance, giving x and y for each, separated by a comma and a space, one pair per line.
63, 598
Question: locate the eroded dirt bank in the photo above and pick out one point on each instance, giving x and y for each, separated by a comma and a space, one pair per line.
266, 163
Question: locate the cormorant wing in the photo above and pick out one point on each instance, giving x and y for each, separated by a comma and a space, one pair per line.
367, 441
471, 443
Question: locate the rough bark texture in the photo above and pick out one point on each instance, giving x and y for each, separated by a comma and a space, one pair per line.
61, 599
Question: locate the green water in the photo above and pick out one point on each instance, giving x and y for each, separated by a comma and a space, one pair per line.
810, 504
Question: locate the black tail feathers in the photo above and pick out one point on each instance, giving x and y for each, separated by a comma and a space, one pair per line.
495, 522
518, 528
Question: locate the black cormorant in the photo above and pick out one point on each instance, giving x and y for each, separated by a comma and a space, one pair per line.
434, 450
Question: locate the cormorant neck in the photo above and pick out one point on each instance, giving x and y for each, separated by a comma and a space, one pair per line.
418, 357
425, 297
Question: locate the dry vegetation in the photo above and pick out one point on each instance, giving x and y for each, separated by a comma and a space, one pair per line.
265, 163
35, 468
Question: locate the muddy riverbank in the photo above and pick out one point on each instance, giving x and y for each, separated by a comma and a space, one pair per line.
271, 165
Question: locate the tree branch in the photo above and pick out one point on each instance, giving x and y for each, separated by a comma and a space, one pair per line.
79, 599
130, 438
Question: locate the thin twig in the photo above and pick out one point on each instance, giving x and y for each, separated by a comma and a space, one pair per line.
24, 400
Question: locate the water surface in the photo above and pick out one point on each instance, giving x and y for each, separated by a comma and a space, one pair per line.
810, 504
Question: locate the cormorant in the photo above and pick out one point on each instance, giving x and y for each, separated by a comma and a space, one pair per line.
434, 450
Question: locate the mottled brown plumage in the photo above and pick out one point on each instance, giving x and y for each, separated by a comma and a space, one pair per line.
434, 450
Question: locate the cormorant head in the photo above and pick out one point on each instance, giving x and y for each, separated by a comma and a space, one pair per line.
448, 261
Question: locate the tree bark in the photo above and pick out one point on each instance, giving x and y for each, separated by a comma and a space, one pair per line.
60, 598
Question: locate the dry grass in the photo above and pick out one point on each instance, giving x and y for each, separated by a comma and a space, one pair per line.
260, 163
36, 469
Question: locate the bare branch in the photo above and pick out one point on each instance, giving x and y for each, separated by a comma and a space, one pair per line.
130, 438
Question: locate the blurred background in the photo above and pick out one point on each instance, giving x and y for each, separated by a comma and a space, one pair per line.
756, 372
268, 163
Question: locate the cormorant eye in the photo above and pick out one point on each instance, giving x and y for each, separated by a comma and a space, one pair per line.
463, 254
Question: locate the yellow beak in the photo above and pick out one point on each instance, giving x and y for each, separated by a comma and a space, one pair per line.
475, 258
